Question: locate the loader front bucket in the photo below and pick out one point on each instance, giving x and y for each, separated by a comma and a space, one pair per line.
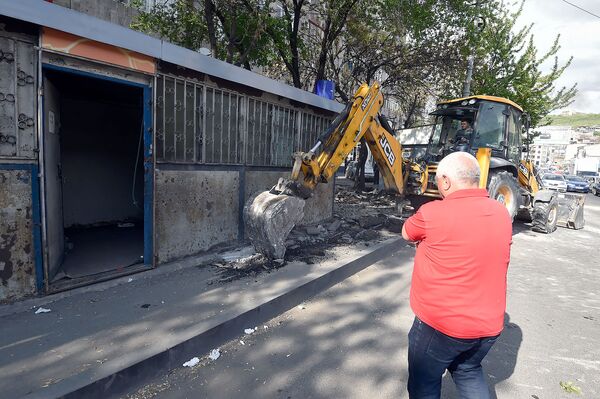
269, 218
570, 210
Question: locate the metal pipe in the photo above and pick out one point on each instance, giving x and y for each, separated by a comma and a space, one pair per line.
316, 147
41, 161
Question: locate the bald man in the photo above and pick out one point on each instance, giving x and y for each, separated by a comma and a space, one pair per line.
458, 289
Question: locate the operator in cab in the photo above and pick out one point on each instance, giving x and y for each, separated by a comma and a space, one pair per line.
463, 135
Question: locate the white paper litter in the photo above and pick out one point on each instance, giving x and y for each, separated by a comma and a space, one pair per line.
192, 362
126, 225
242, 342
130, 280
214, 354
265, 327
249, 330
42, 310
302, 306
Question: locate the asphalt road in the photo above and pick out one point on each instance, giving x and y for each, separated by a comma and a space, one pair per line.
350, 341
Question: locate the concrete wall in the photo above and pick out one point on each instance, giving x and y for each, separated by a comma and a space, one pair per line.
318, 208
108, 10
195, 210
198, 209
17, 276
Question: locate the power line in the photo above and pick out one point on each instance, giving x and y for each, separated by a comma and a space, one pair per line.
582, 9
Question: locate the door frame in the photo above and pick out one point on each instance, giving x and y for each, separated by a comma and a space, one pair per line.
148, 163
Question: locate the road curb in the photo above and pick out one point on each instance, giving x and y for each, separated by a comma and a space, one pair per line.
122, 379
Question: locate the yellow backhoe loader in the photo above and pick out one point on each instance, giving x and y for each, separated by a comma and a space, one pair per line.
491, 130
494, 136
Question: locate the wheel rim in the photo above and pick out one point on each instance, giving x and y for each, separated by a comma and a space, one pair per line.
505, 196
552, 215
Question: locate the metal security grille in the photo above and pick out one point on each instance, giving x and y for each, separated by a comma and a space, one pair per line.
196, 123
18, 62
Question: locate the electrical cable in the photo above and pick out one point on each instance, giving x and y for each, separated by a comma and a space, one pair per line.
137, 158
581, 8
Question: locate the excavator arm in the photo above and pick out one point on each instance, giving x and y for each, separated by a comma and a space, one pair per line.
359, 119
270, 216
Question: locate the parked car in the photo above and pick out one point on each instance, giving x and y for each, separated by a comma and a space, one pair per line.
596, 188
577, 184
554, 182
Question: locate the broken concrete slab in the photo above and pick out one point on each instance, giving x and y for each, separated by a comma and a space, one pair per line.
367, 235
394, 224
367, 222
314, 230
269, 218
333, 226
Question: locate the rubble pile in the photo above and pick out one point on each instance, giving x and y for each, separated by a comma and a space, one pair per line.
363, 217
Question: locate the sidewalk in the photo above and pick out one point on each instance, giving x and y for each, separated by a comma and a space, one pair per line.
97, 343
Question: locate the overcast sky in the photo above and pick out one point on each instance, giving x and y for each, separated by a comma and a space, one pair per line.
580, 38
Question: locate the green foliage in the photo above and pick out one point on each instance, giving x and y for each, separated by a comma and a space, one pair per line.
570, 387
508, 64
575, 120
418, 49
179, 22
235, 30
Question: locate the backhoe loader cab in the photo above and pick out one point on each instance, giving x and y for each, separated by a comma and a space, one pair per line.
491, 128
493, 122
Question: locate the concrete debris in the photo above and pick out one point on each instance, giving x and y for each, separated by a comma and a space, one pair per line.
269, 218
334, 226
315, 231
346, 239
366, 222
42, 310
214, 354
231, 256
192, 362
302, 306
367, 235
394, 224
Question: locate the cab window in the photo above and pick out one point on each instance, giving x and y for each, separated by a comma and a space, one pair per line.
489, 131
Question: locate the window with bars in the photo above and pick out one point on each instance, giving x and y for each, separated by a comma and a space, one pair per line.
196, 123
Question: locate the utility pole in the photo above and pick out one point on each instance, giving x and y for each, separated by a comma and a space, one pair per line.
479, 23
467, 86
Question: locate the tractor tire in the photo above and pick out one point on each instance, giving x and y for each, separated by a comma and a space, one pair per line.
544, 216
504, 188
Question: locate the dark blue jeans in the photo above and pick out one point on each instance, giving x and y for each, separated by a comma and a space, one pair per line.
431, 352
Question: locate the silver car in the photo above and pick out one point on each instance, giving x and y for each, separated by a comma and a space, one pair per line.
554, 182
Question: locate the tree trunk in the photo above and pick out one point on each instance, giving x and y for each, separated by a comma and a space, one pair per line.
321, 63
209, 14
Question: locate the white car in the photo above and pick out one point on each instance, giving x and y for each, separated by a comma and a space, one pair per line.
554, 182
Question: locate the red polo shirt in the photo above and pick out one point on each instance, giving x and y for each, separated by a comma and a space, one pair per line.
459, 278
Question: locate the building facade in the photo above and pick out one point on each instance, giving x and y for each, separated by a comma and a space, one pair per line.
120, 152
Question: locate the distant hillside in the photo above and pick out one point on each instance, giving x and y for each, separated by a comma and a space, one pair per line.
575, 120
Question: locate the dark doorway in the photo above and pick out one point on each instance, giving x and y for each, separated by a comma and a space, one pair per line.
95, 137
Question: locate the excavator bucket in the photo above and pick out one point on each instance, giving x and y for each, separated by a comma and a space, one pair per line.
269, 217
570, 211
